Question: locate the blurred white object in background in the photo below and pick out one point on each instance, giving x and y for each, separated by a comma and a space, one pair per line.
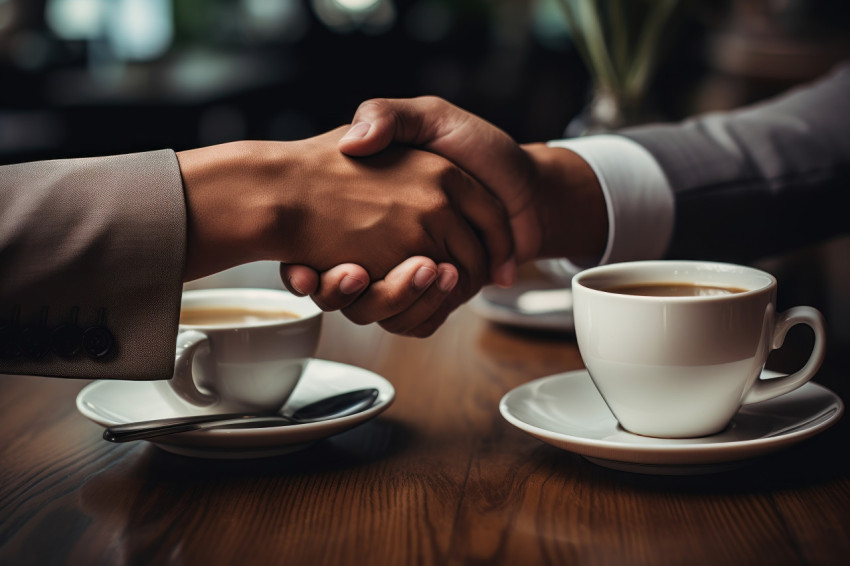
260, 274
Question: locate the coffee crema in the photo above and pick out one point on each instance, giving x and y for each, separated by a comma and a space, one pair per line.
673, 290
232, 316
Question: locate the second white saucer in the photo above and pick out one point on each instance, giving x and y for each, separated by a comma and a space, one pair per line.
567, 411
110, 402
538, 304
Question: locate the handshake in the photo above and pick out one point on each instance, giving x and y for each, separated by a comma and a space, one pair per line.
397, 219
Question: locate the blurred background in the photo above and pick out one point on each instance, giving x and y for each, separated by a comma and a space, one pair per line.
83, 77
88, 77
92, 77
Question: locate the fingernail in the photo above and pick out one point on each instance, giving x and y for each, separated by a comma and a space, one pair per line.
357, 131
295, 288
505, 276
424, 276
350, 285
447, 281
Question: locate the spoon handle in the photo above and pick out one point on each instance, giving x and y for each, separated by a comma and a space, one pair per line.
151, 429
333, 407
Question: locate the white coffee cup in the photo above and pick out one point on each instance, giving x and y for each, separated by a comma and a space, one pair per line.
225, 363
682, 366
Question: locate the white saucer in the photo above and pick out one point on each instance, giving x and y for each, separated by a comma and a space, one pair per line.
535, 303
113, 402
567, 411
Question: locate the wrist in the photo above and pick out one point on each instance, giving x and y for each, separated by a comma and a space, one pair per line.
569, 205
227, 212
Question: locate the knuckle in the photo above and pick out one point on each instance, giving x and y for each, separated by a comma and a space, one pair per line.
357, 316
435, 203
394, 326
424, 330
448, 172
333, 303
322, 304
373, 105
432, 102
398, 300
466, 287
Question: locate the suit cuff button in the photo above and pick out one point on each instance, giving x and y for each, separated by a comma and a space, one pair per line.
66, 340
35, 341
97, 342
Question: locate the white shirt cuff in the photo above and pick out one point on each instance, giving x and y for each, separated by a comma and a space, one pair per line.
637, 194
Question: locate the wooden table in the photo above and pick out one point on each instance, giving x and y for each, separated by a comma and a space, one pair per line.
439, 478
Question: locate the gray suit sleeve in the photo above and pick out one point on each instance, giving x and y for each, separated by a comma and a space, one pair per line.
761, 179
95, 243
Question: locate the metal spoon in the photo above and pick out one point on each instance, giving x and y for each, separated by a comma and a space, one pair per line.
332, 407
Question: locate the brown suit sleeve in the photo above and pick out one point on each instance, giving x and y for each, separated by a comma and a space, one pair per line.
92, 253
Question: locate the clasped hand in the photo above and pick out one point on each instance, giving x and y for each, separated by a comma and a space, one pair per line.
397, 219
399, 302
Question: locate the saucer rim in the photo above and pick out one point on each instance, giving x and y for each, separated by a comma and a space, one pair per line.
661, 456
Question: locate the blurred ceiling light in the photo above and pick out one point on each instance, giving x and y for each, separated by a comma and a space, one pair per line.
277, 19
135, 30
140, 30
357, 5
75, 19
369, 16
549, 25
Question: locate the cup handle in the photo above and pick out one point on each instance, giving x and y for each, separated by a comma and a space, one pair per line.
182, 382
764, 389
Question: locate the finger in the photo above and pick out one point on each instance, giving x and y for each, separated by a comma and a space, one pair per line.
427, 326
420, 122
464, 249
436, 298
486, 152
421, 323
399, 291
488, 216
431, 324
373, 128
340, 286
299, 279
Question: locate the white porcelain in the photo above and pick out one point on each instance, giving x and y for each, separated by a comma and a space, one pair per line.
251, 367
567, 411
681, 367
255, 275
535, 303
110, 402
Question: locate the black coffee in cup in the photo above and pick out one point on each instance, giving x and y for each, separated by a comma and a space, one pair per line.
673, 290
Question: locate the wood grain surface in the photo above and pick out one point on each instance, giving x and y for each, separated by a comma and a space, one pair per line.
440, 478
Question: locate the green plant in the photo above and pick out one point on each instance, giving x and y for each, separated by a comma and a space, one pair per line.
619, 42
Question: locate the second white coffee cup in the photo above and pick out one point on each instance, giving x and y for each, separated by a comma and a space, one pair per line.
241, 349
682, 366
